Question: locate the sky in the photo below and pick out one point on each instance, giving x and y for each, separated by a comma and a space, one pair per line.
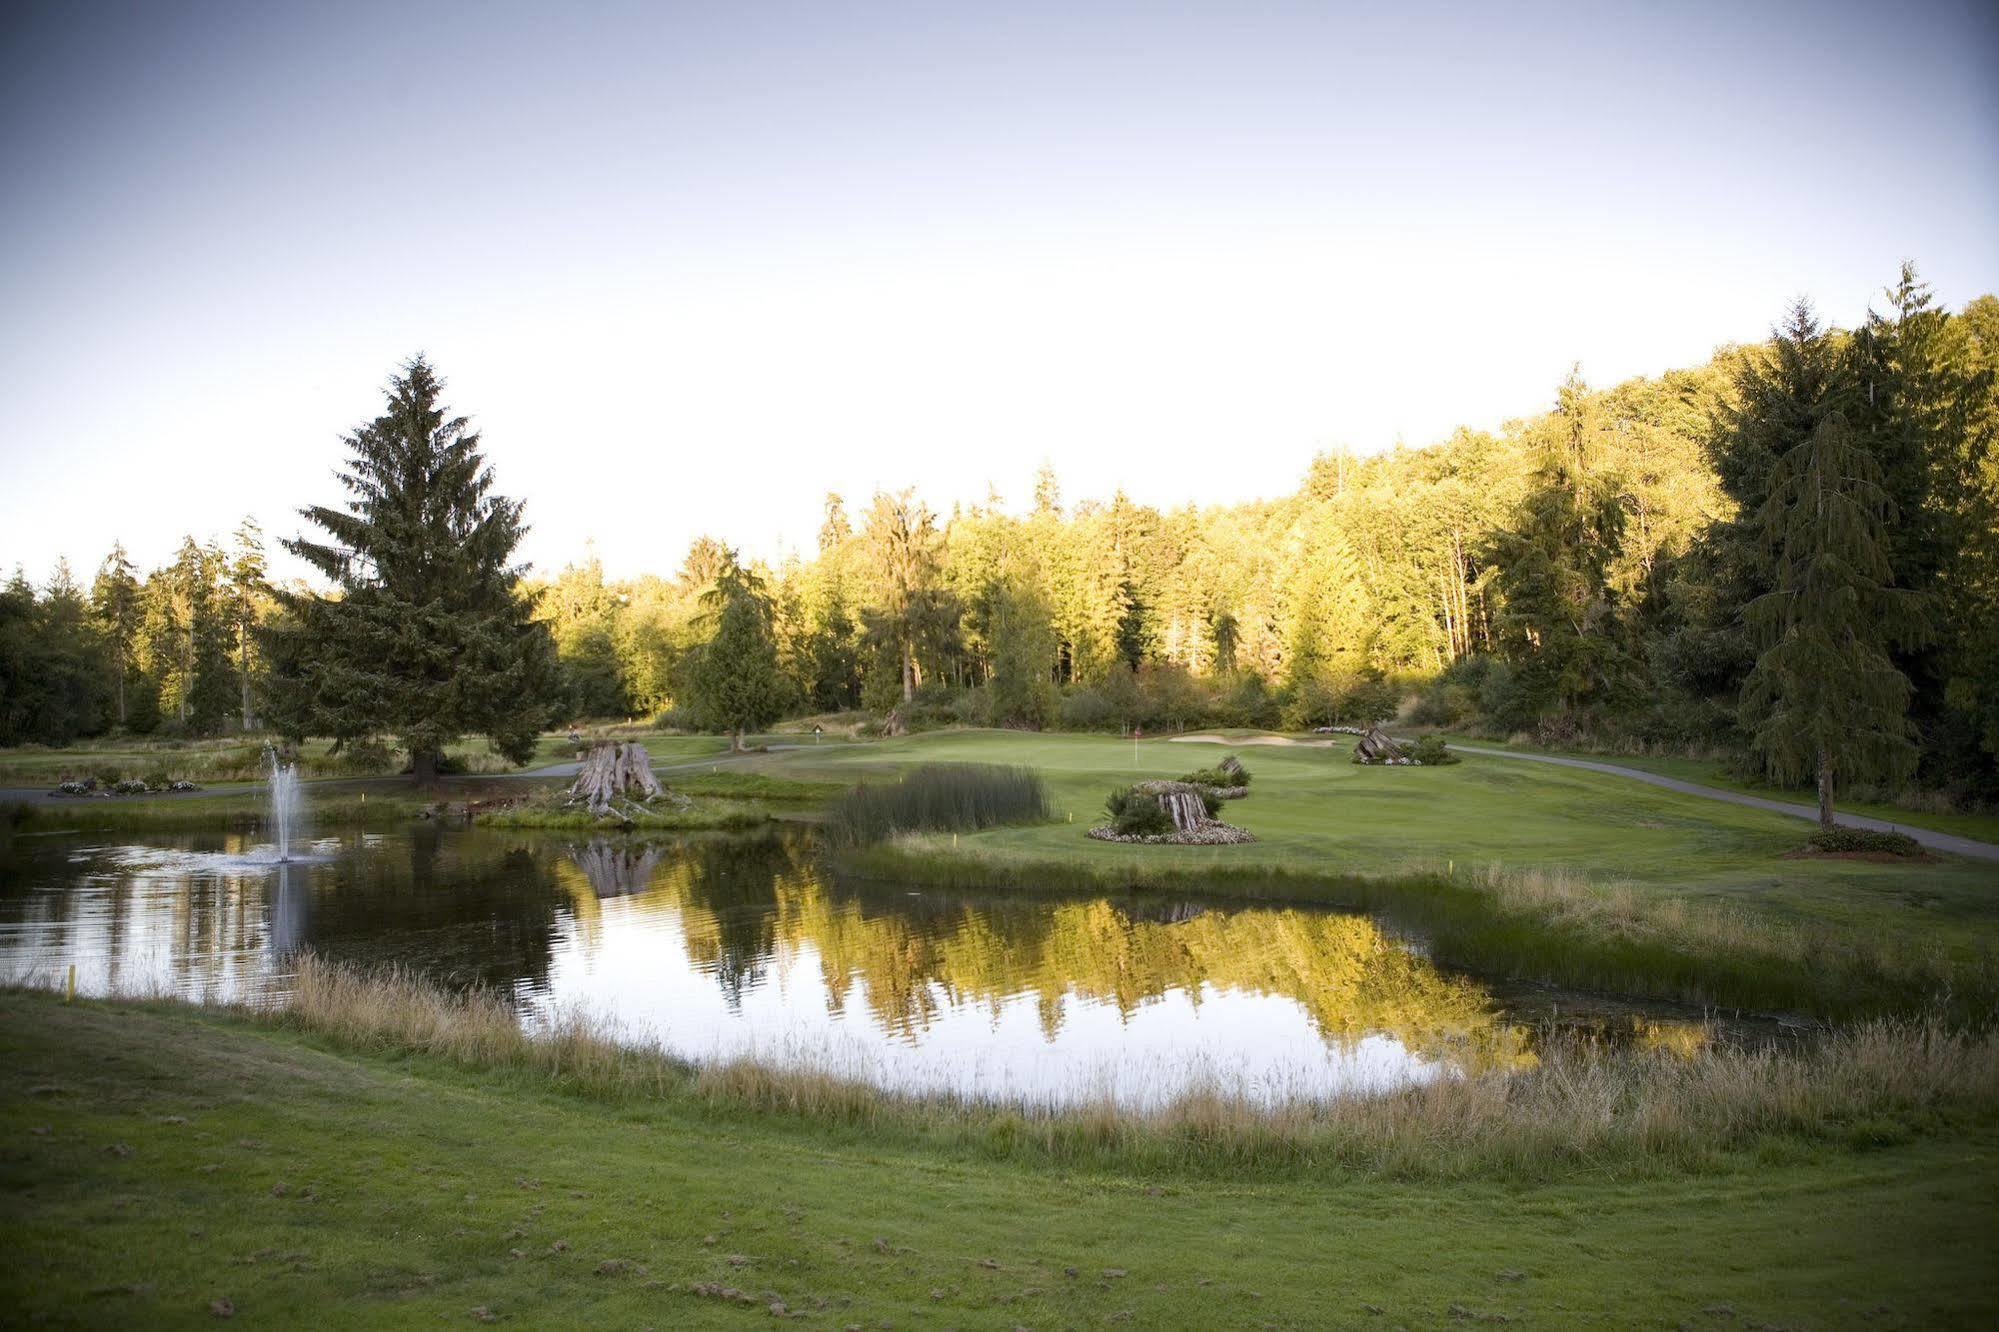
689, 268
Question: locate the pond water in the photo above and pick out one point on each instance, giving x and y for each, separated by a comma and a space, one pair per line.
719, 947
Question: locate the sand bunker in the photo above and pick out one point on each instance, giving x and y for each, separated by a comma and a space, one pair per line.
1247, 740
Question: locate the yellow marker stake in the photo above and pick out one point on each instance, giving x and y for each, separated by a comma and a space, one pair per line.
954, 841
69, 995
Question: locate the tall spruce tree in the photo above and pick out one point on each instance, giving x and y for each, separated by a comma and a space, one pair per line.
428, 636
1825, 701
737, 683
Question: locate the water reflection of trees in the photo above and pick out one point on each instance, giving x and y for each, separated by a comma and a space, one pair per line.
742, 903
460, 907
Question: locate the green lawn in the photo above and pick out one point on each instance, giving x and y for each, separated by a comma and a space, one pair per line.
1711, 772
1315, 812
154, 1162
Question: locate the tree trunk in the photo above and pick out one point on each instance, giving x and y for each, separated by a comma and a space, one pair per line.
248, 721
1825, 789
423, 766
908, 673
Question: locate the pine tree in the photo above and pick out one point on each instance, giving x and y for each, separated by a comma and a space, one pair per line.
737, 683
1825, 700
429, 636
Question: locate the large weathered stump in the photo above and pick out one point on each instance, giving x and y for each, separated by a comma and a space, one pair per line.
1376, 747
614, 770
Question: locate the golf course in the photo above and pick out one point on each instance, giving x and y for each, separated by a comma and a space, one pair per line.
365, 1147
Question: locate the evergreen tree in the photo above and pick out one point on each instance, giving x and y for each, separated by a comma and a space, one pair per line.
737, 683
185, 641
1971, 596
1023, 639
1825, 701
247, 592
1557, 620
114, 603
429, 636
581, 613
907, 609
1919, 402
53, 671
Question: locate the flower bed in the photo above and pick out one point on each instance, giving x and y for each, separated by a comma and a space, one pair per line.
1214, 833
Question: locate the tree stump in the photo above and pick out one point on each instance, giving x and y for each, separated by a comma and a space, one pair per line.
1376, 747
613, 770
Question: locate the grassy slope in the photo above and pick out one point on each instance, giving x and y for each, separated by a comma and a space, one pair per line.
414, 1192
1709, 772
1313, 811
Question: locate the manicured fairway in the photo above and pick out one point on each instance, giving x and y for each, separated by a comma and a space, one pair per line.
1313, 811
156, 1166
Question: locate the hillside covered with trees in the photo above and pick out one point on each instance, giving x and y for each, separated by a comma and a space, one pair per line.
1666, 562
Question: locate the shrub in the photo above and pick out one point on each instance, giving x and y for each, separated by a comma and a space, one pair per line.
1842, 839
1136, 814
939, 797
1228, 778
1431, 751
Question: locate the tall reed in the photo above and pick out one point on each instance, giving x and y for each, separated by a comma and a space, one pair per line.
938, 797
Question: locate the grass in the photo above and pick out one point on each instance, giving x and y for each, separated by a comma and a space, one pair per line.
389, 1155
952, 797
383, 805
240, 758
1318, 816
739, 785
703, 815
1715, 772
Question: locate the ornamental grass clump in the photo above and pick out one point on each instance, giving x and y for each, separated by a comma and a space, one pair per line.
939, 797
1136, 813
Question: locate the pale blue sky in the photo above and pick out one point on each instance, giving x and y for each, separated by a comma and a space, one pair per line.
691, 268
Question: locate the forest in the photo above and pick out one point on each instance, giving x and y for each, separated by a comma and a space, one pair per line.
1631, 569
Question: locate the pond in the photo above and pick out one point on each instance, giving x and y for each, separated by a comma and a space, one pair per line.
719, 947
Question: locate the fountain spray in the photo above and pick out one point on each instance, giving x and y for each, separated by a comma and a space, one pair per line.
284, 800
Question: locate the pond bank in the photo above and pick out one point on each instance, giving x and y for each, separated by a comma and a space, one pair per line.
166, 1160
1531, 925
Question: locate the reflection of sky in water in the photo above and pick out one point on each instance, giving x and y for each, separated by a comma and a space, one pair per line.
721, 949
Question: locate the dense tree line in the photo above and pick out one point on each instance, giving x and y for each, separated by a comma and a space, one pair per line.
1653, 563
172, 652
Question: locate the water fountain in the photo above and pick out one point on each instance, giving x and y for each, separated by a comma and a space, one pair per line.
284, 800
